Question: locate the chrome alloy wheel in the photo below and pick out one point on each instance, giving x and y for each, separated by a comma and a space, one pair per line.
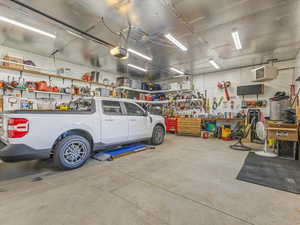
158, 134
75, 152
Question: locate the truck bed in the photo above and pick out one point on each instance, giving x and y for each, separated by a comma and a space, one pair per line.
48, 112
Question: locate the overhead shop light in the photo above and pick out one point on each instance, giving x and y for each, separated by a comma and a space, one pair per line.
214, 64
180, 76
136, 67
236, 39
139, 54
175, 42
177, 71
13, 22
76, 35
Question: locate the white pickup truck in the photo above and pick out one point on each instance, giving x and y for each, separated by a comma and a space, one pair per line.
70, 137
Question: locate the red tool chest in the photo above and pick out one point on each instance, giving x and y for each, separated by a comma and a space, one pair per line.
171, 124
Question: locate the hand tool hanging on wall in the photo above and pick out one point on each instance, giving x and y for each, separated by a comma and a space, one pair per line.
215, 104
231, 104
207, 106
297, 95
205, 101
225, 85
220, 101
243, 104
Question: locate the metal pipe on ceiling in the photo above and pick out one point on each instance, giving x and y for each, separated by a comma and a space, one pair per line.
89, 36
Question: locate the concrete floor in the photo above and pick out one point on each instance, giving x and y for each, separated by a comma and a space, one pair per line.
185, 181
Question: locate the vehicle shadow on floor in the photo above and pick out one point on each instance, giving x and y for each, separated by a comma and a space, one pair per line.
10, 171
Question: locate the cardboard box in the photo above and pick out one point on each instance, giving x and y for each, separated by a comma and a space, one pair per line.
12, 65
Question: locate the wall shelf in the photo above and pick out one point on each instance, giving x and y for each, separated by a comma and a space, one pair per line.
53, 75
165, 101
133, 89
151, 92
44, 92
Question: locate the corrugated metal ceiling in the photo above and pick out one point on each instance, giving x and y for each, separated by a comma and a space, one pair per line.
268, 29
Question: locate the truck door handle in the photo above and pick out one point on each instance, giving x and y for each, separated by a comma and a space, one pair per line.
109, 120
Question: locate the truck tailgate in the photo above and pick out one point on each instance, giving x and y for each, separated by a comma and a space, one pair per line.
3, 128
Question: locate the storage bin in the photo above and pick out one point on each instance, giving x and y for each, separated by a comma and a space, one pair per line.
145, 86
136, 84
165, 86
104, 92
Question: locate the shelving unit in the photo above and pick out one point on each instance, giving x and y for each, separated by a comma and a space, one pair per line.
43, 92
53, 76
165, 101
151, 92
169, 91
132, 89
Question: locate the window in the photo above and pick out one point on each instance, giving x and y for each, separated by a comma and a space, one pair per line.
111, 108
133, 110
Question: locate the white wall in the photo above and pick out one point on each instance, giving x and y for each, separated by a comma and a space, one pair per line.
241, 77
48, 63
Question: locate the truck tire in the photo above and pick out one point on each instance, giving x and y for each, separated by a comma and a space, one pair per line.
158, 135
71, 152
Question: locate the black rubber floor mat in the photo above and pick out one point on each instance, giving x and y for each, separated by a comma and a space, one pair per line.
277, 173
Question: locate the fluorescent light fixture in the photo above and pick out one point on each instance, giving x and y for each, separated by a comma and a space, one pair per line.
4, 19
180, 76
136, 67
175, 42
214, 64
139, 54
236, 39
177, 71
76, 35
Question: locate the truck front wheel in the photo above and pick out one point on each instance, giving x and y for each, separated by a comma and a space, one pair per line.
72, 152
158, 135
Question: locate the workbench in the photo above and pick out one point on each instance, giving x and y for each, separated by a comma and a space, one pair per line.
284, 132
223, 119
193, 126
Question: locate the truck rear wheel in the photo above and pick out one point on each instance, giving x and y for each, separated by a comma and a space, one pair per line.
158, 135
72, 152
